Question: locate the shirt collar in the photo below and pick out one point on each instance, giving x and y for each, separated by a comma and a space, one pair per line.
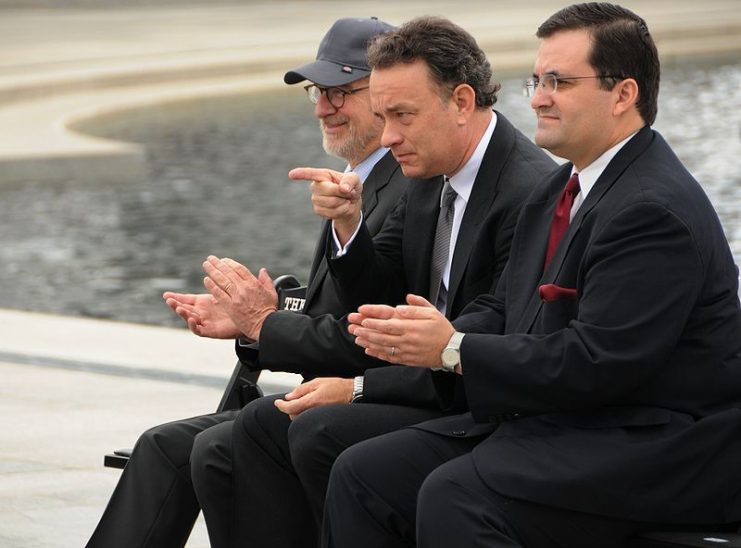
364, 168
589, 175
462, 182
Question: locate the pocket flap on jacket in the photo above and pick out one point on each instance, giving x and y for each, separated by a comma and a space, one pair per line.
551, 292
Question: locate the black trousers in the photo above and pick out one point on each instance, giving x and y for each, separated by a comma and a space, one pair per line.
417, 488
153, 505
262, 481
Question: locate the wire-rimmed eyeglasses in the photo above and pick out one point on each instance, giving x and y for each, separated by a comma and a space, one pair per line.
548, 83
335, 96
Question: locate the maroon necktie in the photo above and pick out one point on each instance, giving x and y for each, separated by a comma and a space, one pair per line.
561, 217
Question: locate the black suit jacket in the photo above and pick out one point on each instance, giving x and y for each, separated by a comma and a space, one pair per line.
382, 190
624, 393
397, 261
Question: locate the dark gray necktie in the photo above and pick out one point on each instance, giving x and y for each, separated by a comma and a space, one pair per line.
441, 246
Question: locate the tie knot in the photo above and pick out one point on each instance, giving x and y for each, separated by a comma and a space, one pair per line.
572, 186
448, 195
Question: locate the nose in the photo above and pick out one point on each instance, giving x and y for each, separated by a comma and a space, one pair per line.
390, 136
323, 107
540, 99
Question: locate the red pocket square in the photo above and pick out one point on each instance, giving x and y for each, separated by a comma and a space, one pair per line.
552, 292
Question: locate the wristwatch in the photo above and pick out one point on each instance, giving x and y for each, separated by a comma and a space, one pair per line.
357, 389
451, 354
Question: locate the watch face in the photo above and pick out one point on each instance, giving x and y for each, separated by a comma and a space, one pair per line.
450, 357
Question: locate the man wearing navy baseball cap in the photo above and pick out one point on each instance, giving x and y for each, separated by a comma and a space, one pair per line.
341, 58
339, 72
158, 496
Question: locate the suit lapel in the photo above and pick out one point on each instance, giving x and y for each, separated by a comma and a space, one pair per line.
378, 178
319, 264
484, 192
419, 231
526, 264
609, 177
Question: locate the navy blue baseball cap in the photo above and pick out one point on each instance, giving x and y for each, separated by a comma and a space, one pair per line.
341, 58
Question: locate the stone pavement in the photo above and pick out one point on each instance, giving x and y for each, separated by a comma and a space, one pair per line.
73, 389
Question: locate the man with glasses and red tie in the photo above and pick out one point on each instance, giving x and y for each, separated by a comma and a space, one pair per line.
606, 366
154, 504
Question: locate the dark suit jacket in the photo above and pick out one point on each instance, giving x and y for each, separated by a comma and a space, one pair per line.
397, 261
623, 397
382, 190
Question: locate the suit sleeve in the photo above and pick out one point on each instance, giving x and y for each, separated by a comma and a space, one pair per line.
410, 386
312, 346
372, 269
485, 314
636, 285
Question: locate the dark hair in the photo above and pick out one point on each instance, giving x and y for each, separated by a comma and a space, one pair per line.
451, 54
622, 46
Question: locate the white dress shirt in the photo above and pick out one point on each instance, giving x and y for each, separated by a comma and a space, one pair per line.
589, 175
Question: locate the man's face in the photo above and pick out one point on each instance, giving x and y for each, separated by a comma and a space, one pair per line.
576, 121
350, 132
420, 128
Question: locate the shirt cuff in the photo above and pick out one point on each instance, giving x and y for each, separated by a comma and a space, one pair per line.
340, 251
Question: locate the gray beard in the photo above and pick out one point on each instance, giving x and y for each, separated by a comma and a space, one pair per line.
350, 149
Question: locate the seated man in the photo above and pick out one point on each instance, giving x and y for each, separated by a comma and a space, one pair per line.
261, 481
606, 366
154, 503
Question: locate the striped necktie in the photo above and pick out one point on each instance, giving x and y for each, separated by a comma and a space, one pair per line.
441, 246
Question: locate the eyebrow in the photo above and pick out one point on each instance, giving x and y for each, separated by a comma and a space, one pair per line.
553, 72
399, 106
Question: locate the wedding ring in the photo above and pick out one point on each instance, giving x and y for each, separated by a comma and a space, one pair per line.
393, 351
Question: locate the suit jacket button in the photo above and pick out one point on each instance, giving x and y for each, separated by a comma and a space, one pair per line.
459, 433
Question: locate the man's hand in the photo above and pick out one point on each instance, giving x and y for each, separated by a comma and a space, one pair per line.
205, 317
413, 334
247, 299
335, 196
316, 392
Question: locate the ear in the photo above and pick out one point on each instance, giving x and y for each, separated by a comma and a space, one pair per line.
464, 100
626, 96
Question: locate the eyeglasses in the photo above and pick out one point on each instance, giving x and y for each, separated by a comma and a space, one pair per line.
335, 96
548, 83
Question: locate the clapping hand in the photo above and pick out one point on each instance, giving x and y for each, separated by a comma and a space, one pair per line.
246, 299
203, 314
413, 334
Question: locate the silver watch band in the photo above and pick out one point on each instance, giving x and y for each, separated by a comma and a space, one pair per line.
357, 389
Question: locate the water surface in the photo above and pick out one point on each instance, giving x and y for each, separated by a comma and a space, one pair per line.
217, 184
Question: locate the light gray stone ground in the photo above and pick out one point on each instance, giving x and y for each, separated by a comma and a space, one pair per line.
74, 389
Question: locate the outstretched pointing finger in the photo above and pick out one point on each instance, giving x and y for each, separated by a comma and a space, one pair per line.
315, 174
